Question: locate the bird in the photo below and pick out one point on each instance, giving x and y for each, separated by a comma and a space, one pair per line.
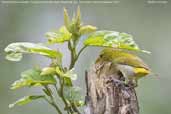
130, 65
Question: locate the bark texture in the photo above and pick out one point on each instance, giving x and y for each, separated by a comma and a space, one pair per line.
106, 92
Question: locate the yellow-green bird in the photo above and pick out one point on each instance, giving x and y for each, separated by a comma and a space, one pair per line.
130, 65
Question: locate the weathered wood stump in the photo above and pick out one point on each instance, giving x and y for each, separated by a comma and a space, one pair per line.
106, 92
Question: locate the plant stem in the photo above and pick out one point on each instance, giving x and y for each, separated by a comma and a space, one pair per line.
81, 50
52, 101
62, 95
72, 49
55, 106
75, 108
74, 58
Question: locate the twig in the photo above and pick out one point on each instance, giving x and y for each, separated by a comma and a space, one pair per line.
81, 50
52, 101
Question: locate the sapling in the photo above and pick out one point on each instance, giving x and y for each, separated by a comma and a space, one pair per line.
60, 77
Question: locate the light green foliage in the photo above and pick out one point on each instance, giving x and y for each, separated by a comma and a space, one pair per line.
78, 17
15, 51
25, 100
112, 39
48, 71
58, 36
31, 78
68, 76
87, 29
66, 18
73, 94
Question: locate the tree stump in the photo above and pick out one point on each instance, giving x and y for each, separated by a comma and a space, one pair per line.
106, 92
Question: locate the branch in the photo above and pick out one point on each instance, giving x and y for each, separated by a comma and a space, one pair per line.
81, 50
52, 101
74, 58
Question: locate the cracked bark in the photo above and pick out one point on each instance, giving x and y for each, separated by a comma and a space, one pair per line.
106, 92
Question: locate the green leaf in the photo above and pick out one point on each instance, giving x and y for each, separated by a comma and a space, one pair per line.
33, 78
25, 100
15, 51
71, 74
66, 18
80, 103
87, 29
68, 76
59, 72
112, 39
68, 81
59, 36
48, 71
14, 56
78, 17
72, 94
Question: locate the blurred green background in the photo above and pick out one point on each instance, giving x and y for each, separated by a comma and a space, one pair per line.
150, 24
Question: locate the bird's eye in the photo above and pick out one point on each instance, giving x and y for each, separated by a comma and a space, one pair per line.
101, 56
